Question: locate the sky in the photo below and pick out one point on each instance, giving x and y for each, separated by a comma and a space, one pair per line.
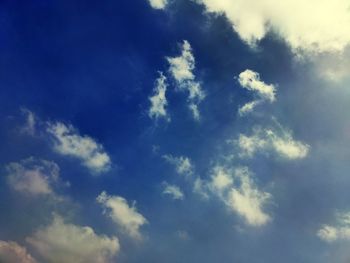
174, 131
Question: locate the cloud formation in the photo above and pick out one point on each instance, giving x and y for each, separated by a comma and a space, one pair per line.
279, 141
65, 242
182, 164
11, 252
173, 191
181, 68
238, 191
247, 200
158, 100
33, 176
341, 231
158, 4
313, 26
250, 80
67, 141
126, 217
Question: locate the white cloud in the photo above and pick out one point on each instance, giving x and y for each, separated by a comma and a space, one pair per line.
313, 26
158, 4
250, 80
182, 164
265, 140
248, 107
158, 100
174, 191
200, 187
247, 200
67, 141
65, 242
328, 233
341, 231
221, 179
11, 252
181, 68
237, 189
125, 216
33, 176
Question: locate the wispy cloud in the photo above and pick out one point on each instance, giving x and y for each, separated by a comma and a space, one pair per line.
182, 164
340, 231
181, 68
173, 191
279, 141
239, 192
125, 216
158, 100
68, 141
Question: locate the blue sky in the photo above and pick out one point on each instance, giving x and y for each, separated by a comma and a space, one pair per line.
174, 131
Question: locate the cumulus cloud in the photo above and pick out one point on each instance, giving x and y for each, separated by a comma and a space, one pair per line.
11, 252
158, 100
237, 189
313, 26
340, 231
67, 141
173, 191
181, 68
33, 176
266, 140
125, 216
158, 4
69, 243
251, 81
182, 164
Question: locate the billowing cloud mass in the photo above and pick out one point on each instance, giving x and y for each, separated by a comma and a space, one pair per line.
126, 217
340, 231
182, 164
67, 141
181, 68
279, 141
158, 100
65, 242
33, 176
312, 26
237, 189
173, 191
158, 4
250, 80
11, 252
